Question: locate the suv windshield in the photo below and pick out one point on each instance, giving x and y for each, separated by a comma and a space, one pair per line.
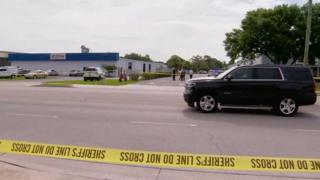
223, 74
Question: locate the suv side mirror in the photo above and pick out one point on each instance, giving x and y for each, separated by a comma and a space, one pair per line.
229, 77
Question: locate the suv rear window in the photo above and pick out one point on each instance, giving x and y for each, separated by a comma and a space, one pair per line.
267, 73
297, 74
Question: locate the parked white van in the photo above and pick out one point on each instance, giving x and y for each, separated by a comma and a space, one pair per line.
8, 72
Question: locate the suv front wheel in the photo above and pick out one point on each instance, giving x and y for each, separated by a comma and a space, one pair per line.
286, 107
207, 103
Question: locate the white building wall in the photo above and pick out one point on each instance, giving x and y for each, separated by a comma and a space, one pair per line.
137, 66
66, 66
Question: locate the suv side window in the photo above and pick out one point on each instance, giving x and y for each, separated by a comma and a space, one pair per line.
267, 73
242, 73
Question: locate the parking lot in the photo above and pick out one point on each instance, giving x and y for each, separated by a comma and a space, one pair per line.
148, 116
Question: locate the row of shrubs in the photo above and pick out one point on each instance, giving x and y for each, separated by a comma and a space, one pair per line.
148, 76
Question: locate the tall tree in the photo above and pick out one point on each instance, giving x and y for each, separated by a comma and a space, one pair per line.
187, 65
139, 57
176, 62
213, 62
277, 33
198, 63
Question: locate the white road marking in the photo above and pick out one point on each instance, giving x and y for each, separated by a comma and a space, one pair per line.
308, 130
33, 115
162, 123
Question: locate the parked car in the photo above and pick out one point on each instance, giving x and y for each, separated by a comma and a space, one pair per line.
214, 72
202, 72
52, 72
38, 74
8, 72
22, 72
282, 88
93, 73
75, 73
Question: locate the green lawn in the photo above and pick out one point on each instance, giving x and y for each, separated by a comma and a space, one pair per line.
108, 82
14, 79
22, 78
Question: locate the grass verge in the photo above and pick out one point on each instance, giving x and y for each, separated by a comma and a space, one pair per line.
13, 79
105, 82
53, 85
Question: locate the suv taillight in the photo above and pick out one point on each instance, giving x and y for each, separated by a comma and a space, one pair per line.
314, 86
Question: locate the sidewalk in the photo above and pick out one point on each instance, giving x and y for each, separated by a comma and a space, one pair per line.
168, 81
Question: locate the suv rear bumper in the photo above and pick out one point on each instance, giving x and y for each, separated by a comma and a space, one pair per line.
308, 99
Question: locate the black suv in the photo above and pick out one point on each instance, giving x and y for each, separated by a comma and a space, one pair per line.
283, 88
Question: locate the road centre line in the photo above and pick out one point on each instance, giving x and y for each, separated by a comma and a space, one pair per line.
33, 115
162, 123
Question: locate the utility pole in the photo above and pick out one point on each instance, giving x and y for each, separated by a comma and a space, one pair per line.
308, 34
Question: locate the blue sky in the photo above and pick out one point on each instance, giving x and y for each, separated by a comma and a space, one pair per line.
156, 27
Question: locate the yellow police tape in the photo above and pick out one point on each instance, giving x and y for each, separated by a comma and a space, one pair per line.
161, 159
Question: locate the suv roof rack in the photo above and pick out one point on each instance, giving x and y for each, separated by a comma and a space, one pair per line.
279, 65
265, 65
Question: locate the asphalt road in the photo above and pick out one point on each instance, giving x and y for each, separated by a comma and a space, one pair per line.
148, 117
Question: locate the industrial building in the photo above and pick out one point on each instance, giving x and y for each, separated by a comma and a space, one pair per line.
65, 62
4, 58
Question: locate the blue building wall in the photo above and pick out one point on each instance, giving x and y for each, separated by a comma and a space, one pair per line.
68, 57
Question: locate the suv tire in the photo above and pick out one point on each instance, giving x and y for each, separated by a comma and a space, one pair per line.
286, 107
207, 103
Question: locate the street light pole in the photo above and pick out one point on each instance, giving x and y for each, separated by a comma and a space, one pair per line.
308, 34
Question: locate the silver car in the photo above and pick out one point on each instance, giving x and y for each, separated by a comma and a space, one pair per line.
38, 74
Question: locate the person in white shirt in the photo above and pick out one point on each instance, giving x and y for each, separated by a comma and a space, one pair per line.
190, 73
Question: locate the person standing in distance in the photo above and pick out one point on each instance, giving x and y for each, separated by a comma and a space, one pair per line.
190, 73
173, 74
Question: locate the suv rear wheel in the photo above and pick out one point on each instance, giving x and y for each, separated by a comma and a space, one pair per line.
286, 107
207, 103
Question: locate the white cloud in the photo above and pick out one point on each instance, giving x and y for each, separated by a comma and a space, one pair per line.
156, 27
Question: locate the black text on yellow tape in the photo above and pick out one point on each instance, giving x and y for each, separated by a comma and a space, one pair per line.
161, 159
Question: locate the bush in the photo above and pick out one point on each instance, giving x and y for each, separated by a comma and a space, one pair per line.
134, 76
148, 76
110, 69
